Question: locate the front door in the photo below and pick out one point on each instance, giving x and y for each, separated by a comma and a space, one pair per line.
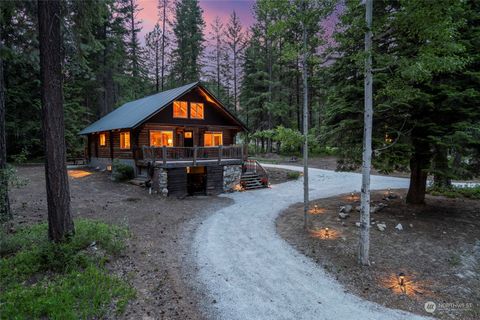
188, 139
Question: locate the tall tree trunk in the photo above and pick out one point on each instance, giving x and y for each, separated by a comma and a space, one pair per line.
419, 164
60, 223
163, 40
157, 82
5, 212
305, 126
364, 246
235, 77
299, 106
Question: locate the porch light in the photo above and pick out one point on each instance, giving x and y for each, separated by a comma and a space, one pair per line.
109, 168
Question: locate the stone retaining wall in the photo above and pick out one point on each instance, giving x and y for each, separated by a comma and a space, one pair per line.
231, 177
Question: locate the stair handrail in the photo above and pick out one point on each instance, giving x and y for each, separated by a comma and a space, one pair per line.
257, 168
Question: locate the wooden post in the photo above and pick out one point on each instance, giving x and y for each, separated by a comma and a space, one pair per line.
194, 156
220, 151
241, 152
110, 142
164, 155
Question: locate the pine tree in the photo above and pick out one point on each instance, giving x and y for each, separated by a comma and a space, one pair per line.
153, 44
188, 29
60, 223
236, 43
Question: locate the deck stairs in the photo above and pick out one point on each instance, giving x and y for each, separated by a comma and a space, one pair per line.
254, 176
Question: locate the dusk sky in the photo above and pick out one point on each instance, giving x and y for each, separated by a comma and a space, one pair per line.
211, 9
221, 8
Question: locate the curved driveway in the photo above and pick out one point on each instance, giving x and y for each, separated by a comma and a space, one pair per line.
251, 273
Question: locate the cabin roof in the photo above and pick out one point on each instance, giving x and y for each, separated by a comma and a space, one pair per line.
134, 113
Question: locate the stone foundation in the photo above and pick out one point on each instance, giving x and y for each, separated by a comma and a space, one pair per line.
231, 177
160, 181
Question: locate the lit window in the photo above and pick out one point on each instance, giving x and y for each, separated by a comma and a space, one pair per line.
196, 110
180, 109
124, 140
213, 139
160, 138
103, 139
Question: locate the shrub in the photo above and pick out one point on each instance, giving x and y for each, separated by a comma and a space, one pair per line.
40, 279
456, 192
121, 171
293, 175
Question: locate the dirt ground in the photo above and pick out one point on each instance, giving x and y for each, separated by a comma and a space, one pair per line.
276, 176
438, 250
155, 261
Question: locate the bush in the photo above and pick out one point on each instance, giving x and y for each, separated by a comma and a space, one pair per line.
40, 279
456, 192
293, 175
122, 172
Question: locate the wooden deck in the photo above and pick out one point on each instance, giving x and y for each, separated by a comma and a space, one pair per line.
174, 157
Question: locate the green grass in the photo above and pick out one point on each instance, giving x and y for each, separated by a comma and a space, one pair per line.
456, 192
40, 279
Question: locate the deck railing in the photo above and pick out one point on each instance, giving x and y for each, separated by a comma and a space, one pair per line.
194, 154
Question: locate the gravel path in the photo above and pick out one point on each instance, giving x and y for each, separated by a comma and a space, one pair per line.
249, 272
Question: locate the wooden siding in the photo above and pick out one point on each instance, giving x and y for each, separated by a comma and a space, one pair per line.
215, 119
213, 114
177, 182
214, 180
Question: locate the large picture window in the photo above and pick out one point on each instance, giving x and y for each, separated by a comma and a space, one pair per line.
124, 140
180, 109
196, 110
103, 139
212, 139
160, 138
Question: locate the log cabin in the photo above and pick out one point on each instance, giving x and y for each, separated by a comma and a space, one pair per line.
180, 141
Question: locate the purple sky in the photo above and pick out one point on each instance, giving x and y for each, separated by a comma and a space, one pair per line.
221, 8
211, 9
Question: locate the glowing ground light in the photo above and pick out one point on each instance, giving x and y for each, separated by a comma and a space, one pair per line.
352, 197
76, 174
317, 210
325, 233
402, 284
401, 281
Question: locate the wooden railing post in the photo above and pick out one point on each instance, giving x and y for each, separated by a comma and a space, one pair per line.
220, 153
164, 155
194, 156
241, 152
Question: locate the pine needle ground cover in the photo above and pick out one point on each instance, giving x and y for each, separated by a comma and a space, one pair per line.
40, 279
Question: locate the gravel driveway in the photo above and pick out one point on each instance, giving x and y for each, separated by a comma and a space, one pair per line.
249, 272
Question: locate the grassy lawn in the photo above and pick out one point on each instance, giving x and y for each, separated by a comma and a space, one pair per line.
39, 279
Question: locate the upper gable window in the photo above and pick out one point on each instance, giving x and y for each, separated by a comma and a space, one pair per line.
196, 110
103, 139
180, 109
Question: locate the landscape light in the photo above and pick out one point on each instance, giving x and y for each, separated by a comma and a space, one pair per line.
326, 232
401, 281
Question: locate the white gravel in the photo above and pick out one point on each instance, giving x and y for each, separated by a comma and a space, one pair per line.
251, 273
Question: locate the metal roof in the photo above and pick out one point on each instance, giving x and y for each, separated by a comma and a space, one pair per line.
133, 113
